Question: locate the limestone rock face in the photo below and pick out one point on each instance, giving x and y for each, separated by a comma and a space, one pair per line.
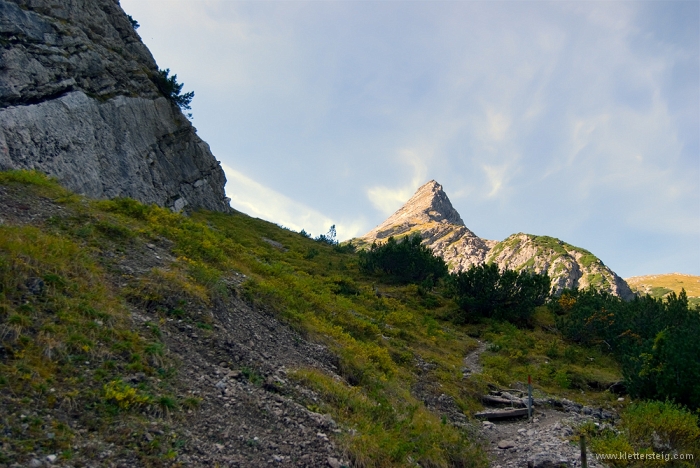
428, 204
430, 213
78, 102
567, 266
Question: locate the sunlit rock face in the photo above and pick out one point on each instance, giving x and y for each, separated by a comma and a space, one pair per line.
78, 101
430, 214
568, 266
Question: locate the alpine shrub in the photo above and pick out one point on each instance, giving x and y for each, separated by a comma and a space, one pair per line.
484, 291
655, 340
407, 261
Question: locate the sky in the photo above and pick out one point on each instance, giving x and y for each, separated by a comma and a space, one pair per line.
578, 120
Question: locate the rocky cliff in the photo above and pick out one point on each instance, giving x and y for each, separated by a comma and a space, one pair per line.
430, 213
78, 101
568, 266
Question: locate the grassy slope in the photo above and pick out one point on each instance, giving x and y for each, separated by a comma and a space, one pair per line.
70, 345
67, 339
660, 285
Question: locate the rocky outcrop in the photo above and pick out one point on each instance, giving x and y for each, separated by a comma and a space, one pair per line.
568, 266
428, 204
78, 101
430, 214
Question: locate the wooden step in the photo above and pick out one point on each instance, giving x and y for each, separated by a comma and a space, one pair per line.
501, 414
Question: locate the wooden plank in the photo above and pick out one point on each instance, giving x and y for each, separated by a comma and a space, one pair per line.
504, 414
494, 400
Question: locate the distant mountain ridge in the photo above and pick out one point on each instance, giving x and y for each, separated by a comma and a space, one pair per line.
568, 266
661, 285
430, 213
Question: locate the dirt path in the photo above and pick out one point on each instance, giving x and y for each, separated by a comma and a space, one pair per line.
472, 364
540, 443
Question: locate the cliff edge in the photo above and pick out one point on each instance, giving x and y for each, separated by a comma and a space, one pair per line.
78, 101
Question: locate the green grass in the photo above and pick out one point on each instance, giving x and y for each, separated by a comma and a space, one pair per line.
555, 366
650, 428
390, 427
316, 288
76, 339
658, 286
66, 338
34, 178
562, 248
325, 297
66, 341
597, 281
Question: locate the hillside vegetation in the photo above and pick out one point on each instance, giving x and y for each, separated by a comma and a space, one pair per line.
88, 342
659, 286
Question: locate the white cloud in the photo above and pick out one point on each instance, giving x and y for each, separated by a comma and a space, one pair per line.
565, 118
498, 124
259, 201
388, 200
582, 133
497, 177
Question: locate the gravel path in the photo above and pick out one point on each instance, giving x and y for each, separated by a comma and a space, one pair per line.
543, 442
471, 360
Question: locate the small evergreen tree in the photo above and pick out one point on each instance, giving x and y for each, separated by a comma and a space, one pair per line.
172, 90
328, 238
134, 24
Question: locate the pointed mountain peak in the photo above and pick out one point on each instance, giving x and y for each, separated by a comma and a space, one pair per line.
428, 205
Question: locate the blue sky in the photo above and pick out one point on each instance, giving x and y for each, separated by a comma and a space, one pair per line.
578, 120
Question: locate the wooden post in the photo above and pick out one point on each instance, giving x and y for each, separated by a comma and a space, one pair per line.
584, 461
529, 397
